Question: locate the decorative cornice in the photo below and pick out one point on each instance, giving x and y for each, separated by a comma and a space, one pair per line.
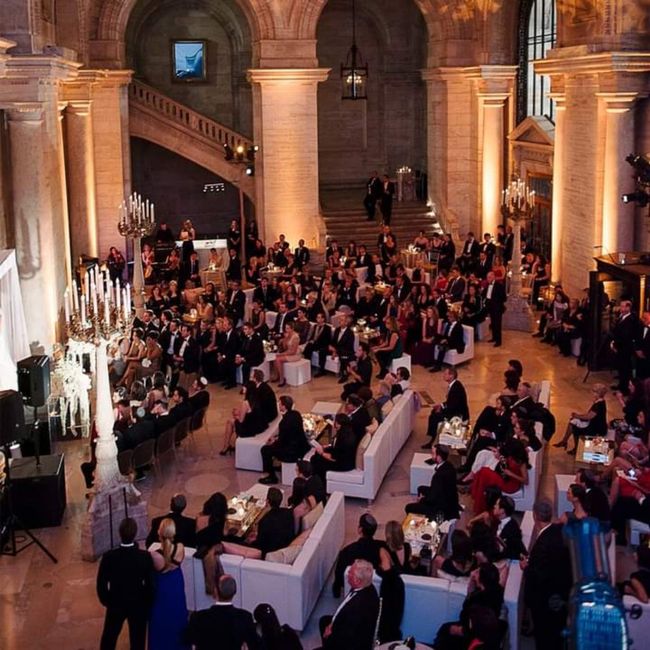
618, 102
595, 63
41, 68
485, 72
284, 75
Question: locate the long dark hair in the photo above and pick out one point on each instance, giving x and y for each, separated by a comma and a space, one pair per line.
215, 508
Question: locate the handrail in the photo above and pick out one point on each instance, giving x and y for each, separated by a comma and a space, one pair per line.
141, 93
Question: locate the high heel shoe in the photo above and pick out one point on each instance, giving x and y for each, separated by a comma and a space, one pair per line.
227, 451
282, 383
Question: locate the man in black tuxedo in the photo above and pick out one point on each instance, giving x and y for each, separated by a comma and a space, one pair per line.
642, 348
625, 335
265, 396
161, 418
597, 501
547, 579
360, 371
356, 410
223, 625
266, 295
233, 272
342, 346
275, 529
439, 303
180, 404
170, 341
235, 301
365, 548
455, 404
483, 267
125, 587
352, 627
487, 247
364, 258
402, 290
387, 194
469, 255
284, 316
188, 358
289, 445
185, 526
147, 323
456, 285
228, 347
142, 429
511, 546
495, 304
452, 338
347, 294
373, 194
251, 351
441, 497
301, 255
319, 341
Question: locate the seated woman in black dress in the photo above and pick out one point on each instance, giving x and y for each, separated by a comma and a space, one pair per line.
258, 320
639, 583
485, 591
589, 424
459, 563
472, 308
340, 455
247, 420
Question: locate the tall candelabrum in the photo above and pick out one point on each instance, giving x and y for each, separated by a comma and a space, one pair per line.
518, 206
137, 221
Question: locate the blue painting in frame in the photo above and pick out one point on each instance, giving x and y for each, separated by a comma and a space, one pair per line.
188, 61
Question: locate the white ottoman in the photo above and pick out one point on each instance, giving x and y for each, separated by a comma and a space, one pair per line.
576, 344
403, 362
265, 367
562, 483
637, 528
421, 472
298, 372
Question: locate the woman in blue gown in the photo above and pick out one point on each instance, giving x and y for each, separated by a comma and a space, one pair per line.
168, 617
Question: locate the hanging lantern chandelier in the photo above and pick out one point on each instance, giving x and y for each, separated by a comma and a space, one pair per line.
354, 72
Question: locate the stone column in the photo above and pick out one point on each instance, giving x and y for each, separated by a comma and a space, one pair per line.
618, 217
493, 164
558, 188
38, 252
81, 178
286, 129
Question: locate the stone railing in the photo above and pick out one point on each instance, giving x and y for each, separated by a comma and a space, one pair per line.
159, 103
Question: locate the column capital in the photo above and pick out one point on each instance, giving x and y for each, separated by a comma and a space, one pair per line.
25, 112
288, 75
79, 106
559, 99
619, 102
493, 100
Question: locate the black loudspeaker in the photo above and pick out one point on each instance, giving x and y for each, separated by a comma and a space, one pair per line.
38, 491
34, 380
12, 416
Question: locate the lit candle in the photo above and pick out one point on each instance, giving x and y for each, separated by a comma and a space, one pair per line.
87, 287
94, 295
107, 312
83, 310
75, 296
118, 295
128, 296
66, 305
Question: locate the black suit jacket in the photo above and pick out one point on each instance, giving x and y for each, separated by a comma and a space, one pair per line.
191, 356
267, 401
275, 530
323, 340
229, 345
472, 248
301, 256
496, 303
224, 626
252, 349
267, 298
442, 494
455, 336
291, 436
365, 548
125, 579
456, 402
548, 573
625, 334
354, 625
185, 529
235, 306
345, 345
512, 546
359, 420
281, 321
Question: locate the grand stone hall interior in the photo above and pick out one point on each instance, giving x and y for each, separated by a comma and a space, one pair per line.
435, 185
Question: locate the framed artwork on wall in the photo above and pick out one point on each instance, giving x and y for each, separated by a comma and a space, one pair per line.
188, 61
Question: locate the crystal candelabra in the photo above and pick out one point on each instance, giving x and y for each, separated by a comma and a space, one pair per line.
517, 204
137, 221
97, 309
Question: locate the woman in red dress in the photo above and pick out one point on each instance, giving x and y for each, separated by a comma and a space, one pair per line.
509, 476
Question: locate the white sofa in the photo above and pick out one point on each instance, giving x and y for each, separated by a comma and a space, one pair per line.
380, 454
524, 498
454, 358
544, 395
248, 451
293, 589
430, 602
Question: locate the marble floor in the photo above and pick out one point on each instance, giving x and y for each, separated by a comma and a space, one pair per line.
46, 605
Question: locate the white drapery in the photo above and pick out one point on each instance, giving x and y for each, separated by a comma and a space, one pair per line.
14, 341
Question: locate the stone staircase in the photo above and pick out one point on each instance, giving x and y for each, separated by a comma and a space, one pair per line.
345, 221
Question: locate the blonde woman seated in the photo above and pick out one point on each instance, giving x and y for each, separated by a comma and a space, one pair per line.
134, 356
289, 351
168, 614
247, 420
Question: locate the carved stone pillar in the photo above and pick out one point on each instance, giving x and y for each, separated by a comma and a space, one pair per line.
286, 129
493, 165
558, 188
618, 217
81, 178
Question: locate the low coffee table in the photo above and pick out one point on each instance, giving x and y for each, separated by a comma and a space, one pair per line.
425, 538
245, 510
594, 452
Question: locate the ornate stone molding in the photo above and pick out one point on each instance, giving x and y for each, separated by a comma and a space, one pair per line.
25, 111
619, 102
283, 75
44, 69
634, 62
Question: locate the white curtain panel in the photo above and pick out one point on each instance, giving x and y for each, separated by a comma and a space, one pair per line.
14, 340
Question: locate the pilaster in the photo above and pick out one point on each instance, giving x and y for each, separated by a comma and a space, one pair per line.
286, 129
558, 188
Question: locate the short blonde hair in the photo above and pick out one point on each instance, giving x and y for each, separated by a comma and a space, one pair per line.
600, 390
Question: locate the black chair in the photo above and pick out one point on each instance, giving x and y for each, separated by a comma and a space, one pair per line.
144, 455
166, 444
182, 430
125, 462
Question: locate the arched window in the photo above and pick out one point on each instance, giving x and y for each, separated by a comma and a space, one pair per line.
537, 35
